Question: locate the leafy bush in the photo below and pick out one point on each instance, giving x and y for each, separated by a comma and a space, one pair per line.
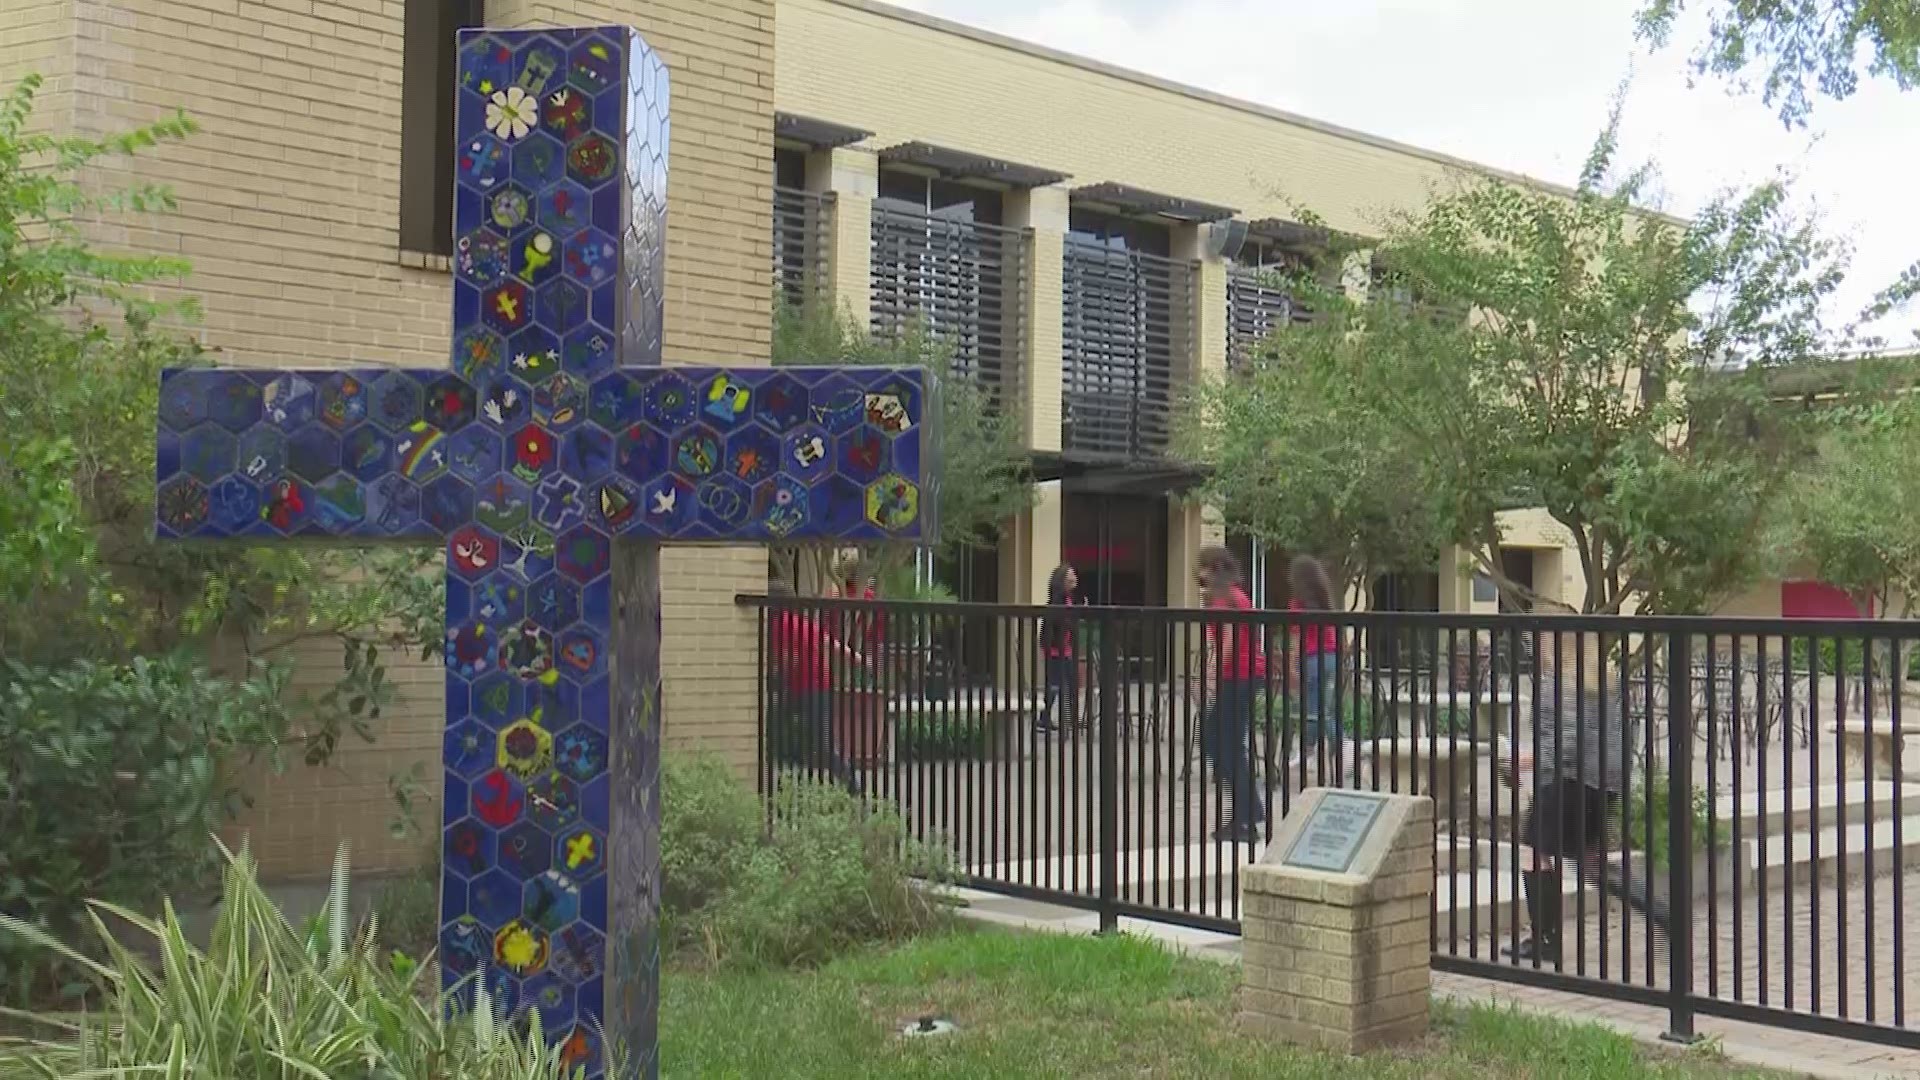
269, 1000
112, 776
934, 737
1829, 654
1657, 846
136, 676
708, 820
829, 873
1286, 716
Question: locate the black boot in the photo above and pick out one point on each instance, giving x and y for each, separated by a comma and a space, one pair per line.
1639, 893
1543, 915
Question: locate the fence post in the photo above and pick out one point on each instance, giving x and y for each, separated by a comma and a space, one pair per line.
1679, 839
1108, 734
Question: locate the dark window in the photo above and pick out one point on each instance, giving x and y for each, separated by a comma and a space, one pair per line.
426, 121
1119, 233
933, 197
789, 168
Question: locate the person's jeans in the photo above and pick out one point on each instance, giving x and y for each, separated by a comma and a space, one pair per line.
1224, 736
1317, 688
808, 739
1063, 684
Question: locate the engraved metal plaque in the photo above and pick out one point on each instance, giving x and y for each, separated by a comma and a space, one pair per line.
1334, 832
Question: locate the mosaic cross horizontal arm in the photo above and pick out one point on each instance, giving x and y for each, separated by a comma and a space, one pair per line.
552, 459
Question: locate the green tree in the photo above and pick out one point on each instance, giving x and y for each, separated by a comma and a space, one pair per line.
1799, 47
135, 677
1853, 514
1574, 352
1298, 453
985, 475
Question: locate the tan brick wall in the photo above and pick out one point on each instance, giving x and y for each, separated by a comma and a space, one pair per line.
289, 213
36, 37
904, 77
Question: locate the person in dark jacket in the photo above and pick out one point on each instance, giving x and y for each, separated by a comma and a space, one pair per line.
1581, 740
1063, 673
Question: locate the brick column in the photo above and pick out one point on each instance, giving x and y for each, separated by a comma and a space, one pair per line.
1339, 961
1044, 211
1030, 549
853, 176
1191, 526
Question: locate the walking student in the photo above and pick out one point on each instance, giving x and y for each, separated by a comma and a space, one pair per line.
1580, 742
1236, 664
802, 651
1063, 679
1316, 648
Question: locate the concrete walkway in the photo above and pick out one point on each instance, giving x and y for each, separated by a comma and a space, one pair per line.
1752, 1044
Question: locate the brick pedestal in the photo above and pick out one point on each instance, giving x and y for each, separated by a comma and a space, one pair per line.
1339, 961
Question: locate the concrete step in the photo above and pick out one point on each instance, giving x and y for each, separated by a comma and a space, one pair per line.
1777, 811
1825, 854
1476, 875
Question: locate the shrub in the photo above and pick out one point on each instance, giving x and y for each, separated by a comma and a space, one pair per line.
1656, 846
269, 1000
145, 749
132, 673
709, 821
830, 872
939, 738
1829, 654
1286, 715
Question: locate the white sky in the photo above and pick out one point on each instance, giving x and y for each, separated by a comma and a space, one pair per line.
1519, 84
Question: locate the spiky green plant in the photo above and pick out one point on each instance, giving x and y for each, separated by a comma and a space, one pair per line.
265, 1000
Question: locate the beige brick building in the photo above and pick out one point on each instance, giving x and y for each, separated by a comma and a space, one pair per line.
1061, 218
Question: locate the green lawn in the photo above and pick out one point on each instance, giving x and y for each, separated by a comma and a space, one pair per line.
1053, 1006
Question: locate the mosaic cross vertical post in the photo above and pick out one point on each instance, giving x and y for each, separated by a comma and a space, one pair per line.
552, 460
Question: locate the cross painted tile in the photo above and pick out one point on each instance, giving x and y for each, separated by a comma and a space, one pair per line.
551, 457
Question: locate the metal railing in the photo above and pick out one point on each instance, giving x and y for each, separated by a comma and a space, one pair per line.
1258, 305
1766, 753
1126, 334
961, 281
801, 222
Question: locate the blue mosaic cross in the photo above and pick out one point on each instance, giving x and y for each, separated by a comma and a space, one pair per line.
555, 437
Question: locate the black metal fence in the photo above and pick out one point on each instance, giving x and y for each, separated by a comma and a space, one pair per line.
1126, 332
1742, 851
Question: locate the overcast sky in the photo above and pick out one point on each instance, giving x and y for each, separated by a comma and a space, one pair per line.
1521, 84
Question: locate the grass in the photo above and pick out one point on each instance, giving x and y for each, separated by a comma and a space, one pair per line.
1055, 1006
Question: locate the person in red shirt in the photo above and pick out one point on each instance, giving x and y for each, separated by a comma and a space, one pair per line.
1317, 649
800, 652
1063, 675
870, 626
1236, 665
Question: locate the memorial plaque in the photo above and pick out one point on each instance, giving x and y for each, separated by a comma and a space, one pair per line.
1334, 831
